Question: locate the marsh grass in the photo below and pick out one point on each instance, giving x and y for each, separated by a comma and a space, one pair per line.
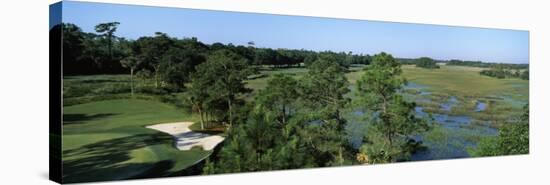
503, 97
446, 143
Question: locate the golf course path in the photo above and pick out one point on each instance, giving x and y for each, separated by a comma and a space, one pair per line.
186, 138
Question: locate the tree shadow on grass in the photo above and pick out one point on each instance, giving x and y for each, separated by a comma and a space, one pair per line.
69, 119
104, 160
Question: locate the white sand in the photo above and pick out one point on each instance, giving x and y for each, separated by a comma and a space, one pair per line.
187, 139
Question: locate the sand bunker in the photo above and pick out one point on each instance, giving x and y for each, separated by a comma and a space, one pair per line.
187, 139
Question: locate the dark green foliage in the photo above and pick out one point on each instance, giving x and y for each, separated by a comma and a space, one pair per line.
261, 144
268, 137
88, 53
381, 81
525, 75
513, 139
177, 64
107, 30
425, 62
198, 97
486, 64
265, 56
279, 58
294, 58
394, 122
288, 58
217, 84
170, 61
73, 46
323, 88
497, 73
151, 50
246, 52
330, 56
279, 96
322, 95
325, 140
291, 125
224, 72
360, 59
344, 59
101, 52
501, 71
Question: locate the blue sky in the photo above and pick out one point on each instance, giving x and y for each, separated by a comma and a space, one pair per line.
311, 33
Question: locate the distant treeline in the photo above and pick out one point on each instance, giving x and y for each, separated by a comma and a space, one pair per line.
160, 56
497, 70
506, 73
101, 52
455, 62
414, 61
428, 63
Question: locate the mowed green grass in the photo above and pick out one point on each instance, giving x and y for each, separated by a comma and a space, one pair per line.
107, 140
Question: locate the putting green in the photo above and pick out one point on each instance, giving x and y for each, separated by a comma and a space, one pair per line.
107, 140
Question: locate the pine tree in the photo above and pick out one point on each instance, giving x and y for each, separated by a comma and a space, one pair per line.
394, 120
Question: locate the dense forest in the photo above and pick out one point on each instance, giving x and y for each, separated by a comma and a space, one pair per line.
100, 52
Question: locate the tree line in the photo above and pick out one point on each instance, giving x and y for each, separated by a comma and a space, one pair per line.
500, 72
497, 70
456, 62
426, 62
414, 61
100, 52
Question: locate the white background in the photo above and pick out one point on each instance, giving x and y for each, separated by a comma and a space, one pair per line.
24, 91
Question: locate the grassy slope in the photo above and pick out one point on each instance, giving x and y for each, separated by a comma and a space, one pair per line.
107, 140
